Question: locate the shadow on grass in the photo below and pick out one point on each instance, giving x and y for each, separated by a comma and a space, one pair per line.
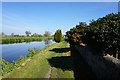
60, 50
75, 63
63, 62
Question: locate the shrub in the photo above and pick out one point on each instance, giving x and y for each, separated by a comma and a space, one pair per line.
75, 34
104, 34
58, 36
6, 66
32, 52
19, 61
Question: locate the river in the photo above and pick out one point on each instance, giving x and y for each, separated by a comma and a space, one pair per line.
12, 52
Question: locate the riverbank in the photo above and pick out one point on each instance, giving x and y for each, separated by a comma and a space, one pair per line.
12, 52
39, 65
7, 40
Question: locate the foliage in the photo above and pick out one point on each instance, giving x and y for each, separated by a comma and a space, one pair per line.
31, 53
3, 34
58, 36
36, 35
7, 67
19, 61
104, 33
12, 34
10, 39
47, 34
39, 66
75, 34
27, 33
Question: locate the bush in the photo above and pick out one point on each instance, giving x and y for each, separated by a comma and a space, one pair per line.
19, 61
75, 34
58, 36
31, 53
104, 33
6, 66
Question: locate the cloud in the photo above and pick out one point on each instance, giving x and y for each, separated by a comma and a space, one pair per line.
60, 0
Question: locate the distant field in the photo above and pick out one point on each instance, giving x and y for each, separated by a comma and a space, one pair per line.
10, 39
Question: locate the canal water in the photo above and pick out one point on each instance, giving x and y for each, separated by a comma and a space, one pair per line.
12, 52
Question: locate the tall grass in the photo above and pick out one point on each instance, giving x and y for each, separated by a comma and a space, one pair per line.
6, 40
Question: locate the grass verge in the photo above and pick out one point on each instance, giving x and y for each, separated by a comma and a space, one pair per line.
39, 65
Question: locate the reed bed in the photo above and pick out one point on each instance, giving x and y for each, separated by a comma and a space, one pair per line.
6, 40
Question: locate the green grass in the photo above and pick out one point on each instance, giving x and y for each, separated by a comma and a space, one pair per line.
38, 66
10, 39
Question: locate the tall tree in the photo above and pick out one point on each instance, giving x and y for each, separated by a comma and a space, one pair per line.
3, 34
27, 33
58, 36
12, 34
47, 34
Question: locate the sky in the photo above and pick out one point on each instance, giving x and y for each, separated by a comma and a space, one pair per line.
60, 0
38, 17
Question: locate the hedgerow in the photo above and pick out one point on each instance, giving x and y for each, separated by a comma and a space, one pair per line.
104, 33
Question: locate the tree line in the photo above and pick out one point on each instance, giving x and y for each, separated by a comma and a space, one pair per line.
28, 34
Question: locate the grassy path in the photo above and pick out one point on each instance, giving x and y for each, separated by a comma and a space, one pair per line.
40, 67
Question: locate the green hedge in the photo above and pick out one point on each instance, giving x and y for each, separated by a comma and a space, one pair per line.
104, 34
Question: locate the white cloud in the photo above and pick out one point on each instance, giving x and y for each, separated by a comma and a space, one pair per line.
60, 0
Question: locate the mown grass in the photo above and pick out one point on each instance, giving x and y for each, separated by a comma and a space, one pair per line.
38, 66
10, 39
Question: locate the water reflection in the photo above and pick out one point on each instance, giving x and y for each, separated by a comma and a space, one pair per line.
47, 42
12, 52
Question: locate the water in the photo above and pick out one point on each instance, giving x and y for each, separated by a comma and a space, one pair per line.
12, 52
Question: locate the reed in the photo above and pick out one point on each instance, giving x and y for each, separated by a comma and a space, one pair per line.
6, 40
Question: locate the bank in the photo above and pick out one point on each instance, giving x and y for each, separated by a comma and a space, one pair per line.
39, 66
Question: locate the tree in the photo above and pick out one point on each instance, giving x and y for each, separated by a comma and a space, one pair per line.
36, 35
75, 34
27, 33
12, 34
47, 34
58, 36
3, 34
